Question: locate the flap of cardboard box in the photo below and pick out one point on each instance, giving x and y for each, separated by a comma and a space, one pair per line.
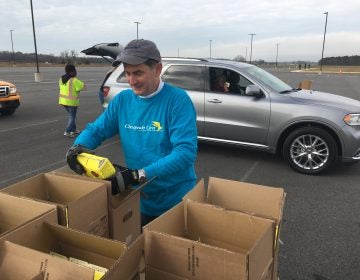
26, 210
48, 187
18, 262
157, 274
79, 202
127, 267
258, 200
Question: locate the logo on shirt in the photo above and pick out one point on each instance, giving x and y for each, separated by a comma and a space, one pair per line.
155, 126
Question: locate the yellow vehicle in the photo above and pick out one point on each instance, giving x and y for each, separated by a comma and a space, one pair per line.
9, 98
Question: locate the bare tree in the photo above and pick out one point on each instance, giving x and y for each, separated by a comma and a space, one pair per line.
239, 58
69, 57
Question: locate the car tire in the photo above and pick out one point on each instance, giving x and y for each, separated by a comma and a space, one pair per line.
310, 150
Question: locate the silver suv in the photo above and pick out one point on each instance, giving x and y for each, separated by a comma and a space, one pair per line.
254, 109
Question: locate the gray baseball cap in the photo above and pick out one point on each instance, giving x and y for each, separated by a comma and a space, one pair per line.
137, 52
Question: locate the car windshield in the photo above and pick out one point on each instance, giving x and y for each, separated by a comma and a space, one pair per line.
268, 79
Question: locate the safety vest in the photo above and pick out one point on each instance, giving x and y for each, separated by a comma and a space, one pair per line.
69, 92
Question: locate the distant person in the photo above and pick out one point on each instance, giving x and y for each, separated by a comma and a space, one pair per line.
70, 87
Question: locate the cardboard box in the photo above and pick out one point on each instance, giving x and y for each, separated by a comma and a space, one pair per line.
121, 260
18, 262
258, 200
81, 205
156, 274
124, 217
16, 212
195, 240
123, 211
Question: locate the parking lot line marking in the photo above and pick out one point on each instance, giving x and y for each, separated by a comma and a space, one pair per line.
48, 167
249, 171
26, 126
36, 171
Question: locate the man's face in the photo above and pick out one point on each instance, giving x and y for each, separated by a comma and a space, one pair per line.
143, 79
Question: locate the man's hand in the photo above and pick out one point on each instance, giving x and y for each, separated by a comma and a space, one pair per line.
124, 179
71, 158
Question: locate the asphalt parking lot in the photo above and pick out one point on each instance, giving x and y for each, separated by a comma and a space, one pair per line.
321, 223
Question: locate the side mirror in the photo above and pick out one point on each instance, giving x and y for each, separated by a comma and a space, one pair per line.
253, 90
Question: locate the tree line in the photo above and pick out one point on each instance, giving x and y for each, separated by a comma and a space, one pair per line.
338, 60
341, 60
71, 56
65, 57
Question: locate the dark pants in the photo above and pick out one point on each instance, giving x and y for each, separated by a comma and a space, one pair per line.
71, 126
146, 219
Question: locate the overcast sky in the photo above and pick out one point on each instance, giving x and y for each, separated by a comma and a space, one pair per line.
186, 27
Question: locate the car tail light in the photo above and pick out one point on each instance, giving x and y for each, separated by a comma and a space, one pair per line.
105, 91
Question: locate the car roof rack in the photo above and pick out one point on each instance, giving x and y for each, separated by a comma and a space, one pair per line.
185, 58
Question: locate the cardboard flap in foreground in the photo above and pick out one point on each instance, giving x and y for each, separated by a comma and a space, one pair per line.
68, 242
18, 262
156, 274
26, 210
81, 204
227, 229
263, 201
258, 200
127, 267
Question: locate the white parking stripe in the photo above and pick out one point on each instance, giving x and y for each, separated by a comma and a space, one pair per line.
48, 167
26, 126
249, 171
39, 170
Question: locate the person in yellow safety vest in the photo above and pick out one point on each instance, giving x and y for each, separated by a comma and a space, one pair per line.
70, 87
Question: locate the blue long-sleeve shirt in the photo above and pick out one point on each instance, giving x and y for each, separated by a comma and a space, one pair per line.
157, 134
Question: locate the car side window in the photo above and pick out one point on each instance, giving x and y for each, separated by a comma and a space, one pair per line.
227, 81
185, 76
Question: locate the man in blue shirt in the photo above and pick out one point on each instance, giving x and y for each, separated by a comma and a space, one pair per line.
156, 124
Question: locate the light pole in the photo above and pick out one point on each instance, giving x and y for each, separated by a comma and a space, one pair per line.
277, 53
137, 29
210, 48
38, 77
252, 35
322, 53
245, 54
12, 46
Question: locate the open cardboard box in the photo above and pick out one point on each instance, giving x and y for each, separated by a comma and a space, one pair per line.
122, 261
16, 212
201, 241
124, 209
81, 205
156, 274
18, 262
257, 200
263, 201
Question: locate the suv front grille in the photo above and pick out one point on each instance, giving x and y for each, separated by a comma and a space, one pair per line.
4, 91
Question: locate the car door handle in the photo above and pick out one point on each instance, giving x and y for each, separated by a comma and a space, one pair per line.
214, 101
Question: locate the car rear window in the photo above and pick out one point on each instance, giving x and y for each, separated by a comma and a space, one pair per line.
188, 77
